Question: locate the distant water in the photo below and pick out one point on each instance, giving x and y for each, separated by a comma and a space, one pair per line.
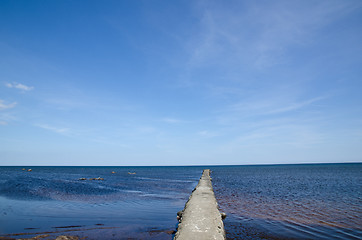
262, 202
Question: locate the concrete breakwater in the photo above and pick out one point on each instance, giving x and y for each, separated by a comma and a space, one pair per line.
201, 218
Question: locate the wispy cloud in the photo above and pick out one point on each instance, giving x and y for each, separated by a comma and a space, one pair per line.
259, 35
274, 140
19, 86
63, 131
207, 134
6, 117
294, 106
4, 106
274, 105
172, 120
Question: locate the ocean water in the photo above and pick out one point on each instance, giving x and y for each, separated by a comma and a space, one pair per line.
321, 201
53, 201
262, 202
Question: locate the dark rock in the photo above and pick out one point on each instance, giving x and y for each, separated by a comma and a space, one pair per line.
41, 236
72, 226
179, 215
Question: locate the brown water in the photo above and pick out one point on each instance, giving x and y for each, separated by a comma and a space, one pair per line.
291, 201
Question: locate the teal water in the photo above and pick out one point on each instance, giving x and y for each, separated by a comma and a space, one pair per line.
262, 202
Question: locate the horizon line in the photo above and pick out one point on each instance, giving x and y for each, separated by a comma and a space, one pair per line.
196, 165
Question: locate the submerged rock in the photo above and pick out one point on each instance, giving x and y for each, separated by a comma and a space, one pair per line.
7, 238
67, 238
39, 237
98, 178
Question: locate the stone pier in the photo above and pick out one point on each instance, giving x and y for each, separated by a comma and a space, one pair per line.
201, 219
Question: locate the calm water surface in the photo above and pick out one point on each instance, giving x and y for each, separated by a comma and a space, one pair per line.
262, 202
291, 201
122, 206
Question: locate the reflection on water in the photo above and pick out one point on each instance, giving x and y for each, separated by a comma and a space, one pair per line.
297, 201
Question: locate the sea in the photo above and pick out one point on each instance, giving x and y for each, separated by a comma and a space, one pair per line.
304, 201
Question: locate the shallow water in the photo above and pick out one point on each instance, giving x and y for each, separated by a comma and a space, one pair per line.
53, 199
291, 201
262, 202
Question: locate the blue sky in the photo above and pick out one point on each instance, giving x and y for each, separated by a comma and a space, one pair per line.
180, 82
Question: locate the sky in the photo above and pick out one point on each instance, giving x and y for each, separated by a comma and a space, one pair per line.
138, 83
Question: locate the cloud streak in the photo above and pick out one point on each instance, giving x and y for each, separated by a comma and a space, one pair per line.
259, 35
172, 120
4, 106
19, 86
273, 105
62, 131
